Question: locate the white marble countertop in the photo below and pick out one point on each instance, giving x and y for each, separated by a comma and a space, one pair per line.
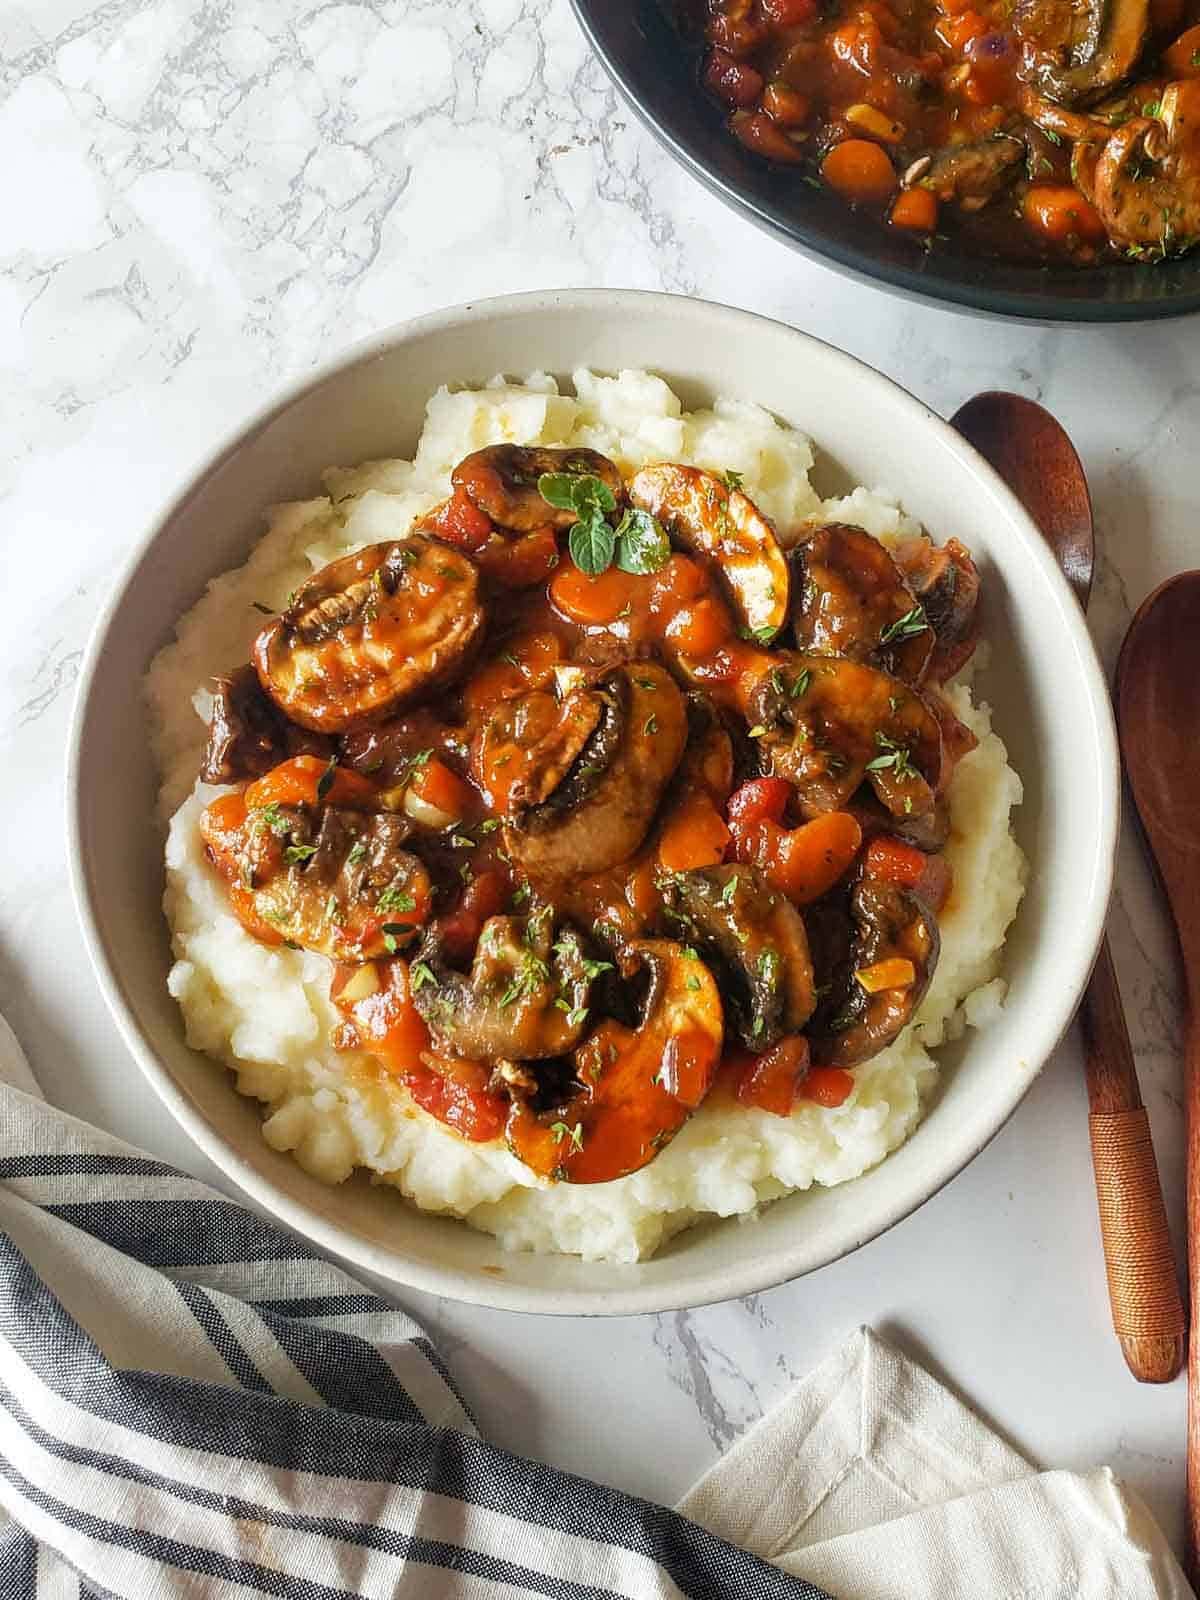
195, 208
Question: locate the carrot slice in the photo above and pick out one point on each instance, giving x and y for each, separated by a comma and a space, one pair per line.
859, 171
916, 210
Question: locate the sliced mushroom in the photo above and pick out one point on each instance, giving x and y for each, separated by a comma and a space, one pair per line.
946, 582
755, 939
524, 999
849, 598
247, 735
969, 175
1145, 182
327, 878
371, 633
592, 811
1077, 50
828, 724
529, 744
877, 964
633, 1089
502, 481
724, 525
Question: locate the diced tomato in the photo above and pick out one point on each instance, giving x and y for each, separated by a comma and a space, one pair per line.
385, 1021
438, 786
762, 134
896, 861
827, 1086
520, 563
759, 798
771, 1081
386, 1024
785, 105
307, 780
456, 1093
459, 521
730, 80
485, 896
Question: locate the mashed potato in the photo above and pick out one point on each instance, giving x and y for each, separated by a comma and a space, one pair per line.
265, 1012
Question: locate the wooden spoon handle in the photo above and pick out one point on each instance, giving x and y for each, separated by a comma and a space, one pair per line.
1191, 1071
1143, 1287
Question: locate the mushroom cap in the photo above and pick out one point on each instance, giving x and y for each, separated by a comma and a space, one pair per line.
371, 633
720, 523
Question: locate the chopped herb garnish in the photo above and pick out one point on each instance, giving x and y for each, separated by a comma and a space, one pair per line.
520, 895
593, 969
625, 611
650, 725
420, 974
267, 611
896, 756
298, 852
1054, 138
325, 782
733, 480
906, 627
394, 898
460, 841
511, 659
561, 1131
757, 731
800, 686
730, 889
693, 983
356, 854
647, 684
392, 933
761, 636
271, 817
489, 825
534, 972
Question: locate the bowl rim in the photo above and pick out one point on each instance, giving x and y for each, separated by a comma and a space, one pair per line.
860, 264
750, 1274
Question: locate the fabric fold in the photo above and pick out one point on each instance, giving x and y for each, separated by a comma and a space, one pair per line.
192, 1402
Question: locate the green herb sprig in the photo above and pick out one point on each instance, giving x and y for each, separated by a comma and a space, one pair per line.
637, 544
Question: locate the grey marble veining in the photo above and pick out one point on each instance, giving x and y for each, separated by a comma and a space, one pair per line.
200, 199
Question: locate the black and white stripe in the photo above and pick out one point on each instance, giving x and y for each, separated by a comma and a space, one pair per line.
193, 1403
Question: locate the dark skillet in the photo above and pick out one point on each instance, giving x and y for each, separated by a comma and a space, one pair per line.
640, 48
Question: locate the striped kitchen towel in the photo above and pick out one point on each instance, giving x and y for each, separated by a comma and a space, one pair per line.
194, 1404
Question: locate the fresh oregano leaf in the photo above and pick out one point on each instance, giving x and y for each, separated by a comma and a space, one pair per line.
642, 546
592, 543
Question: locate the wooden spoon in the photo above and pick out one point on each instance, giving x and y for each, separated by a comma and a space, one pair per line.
1158, 711
1032, 453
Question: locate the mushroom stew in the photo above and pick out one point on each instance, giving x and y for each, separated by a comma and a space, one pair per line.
1054, 130
600, 802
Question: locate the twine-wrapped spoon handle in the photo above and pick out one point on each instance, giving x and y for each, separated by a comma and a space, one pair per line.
1143, 1284
1032, 453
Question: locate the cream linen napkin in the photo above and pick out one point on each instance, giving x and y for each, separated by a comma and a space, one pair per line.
872, 1481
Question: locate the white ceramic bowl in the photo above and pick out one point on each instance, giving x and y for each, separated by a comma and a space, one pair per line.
1051, 707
